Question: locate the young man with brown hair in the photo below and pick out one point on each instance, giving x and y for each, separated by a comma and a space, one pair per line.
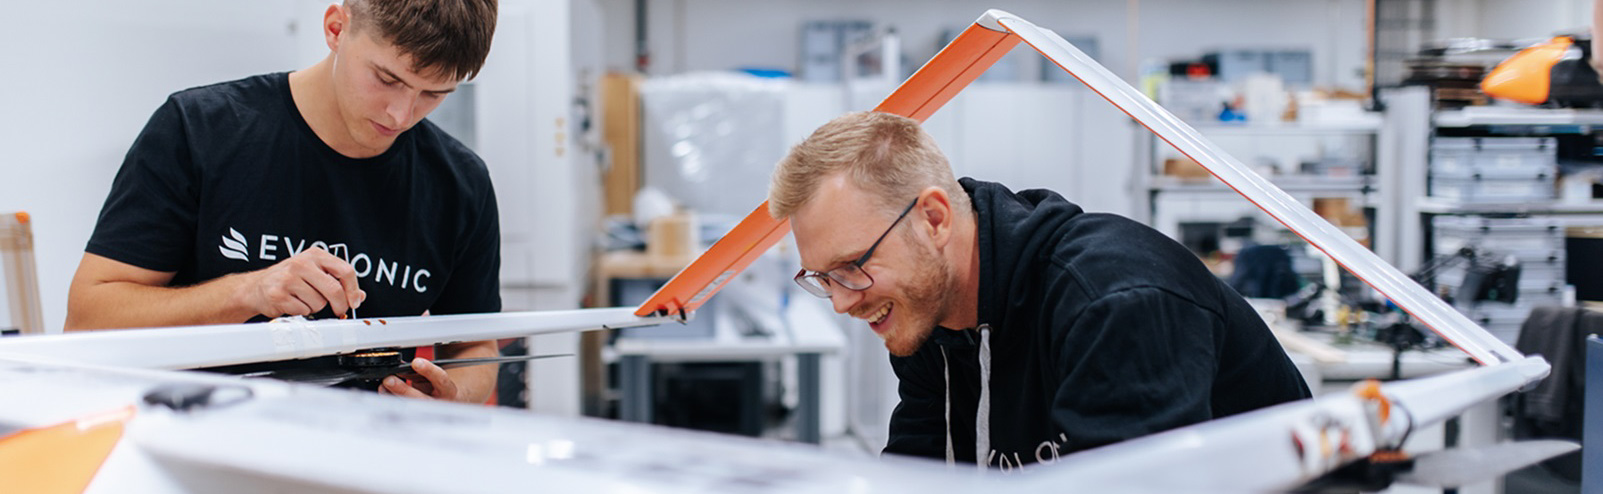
313, 193
1059, 330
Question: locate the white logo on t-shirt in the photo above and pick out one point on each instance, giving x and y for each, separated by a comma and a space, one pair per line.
234, 248
394, 273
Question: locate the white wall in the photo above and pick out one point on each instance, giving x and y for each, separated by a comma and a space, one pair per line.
1023, 136
686, 35
81, 81
1511, 19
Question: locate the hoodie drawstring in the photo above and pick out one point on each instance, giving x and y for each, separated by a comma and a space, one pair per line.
982, 416
951, 453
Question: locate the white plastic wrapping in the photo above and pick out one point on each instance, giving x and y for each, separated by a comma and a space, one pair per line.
712, 138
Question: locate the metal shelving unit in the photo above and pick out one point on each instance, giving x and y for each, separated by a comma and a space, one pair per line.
1362, 187
1496, 115
1429, 205
1410, 116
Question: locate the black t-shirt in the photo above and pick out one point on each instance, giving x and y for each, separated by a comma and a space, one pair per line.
229, 178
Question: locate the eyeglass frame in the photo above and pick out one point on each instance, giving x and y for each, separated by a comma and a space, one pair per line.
804, 274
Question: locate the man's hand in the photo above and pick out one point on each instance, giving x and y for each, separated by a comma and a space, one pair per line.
302, 285
433, 383
1597, 38
110, 294
467, 384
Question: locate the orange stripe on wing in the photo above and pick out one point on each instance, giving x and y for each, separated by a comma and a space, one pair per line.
713, 269
60, 458
973, 51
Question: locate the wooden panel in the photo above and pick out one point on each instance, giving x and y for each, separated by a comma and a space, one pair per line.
22, 283
620, 129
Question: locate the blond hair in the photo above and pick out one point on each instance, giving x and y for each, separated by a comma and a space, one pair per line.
887, 155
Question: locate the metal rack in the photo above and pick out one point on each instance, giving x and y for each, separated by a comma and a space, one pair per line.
1435, 225
1362, 188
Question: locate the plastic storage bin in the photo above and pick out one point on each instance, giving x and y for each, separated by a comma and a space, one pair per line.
1493, 190
1493, 157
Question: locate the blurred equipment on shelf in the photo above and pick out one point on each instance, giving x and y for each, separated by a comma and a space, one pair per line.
1264, 98
1453, 84
1556, 73
1295, 67
1400, 335
1233, 86
1485, 276
1301, 305
823, 42
1195, 100
1453, 69
1493, 169
1584, 247
1537, 244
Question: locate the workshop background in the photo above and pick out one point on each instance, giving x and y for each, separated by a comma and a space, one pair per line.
624, 136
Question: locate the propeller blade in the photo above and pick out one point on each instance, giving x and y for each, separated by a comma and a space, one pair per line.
464, 362
1464, 466
335, 376
320, 376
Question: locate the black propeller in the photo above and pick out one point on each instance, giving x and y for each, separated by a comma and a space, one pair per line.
365, 369
1441, 469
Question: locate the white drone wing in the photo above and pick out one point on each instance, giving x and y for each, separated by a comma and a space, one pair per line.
67, 416
106, 429
296, 338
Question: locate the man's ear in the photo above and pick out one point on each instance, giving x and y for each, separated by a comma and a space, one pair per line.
336, 21
937, 219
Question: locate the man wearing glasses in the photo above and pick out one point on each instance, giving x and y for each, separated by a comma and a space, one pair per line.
1021, 327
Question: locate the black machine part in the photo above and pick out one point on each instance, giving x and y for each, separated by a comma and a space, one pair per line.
1574, 82
1487, 276
365, 369
185, 397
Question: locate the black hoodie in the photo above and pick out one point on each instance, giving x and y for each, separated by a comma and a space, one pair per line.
1092, 329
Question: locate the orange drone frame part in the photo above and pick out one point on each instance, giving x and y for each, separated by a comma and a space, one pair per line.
958, 64
61, 458
1527, 76
973, 51
713, 269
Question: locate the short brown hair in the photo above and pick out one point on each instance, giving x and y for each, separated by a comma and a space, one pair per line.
889, 155
449, 37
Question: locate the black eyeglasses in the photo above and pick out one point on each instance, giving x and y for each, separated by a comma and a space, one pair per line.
850, 276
